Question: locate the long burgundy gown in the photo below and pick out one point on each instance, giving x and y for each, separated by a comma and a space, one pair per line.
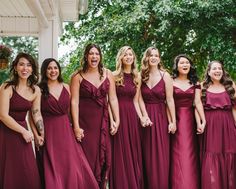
126, 172
65, 165
155, 139
18, 168
184, 164
93, 119
218, 143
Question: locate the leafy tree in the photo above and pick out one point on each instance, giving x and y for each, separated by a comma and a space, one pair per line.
18, 44
205, 30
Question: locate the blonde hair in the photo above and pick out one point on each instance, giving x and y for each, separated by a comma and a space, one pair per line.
119, 73
145, 64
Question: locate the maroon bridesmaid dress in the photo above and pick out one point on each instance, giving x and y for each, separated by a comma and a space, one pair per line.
184, 164
65, 165
155, 139
126, 172
93, 119
18, 168
218, 143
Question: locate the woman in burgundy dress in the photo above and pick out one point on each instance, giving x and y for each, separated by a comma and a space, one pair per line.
18, 168
126, 170
185, 172
157, 93
65, 165
218, 142
92, 87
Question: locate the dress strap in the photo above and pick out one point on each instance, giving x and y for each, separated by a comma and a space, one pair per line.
106, 72
81, 75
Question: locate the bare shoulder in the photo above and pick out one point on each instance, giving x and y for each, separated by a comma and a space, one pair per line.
115, 73
67, 87
109, 74
74, 74
234, 86
6, 90
108, 71
76, 77
166, 75
37, 91
3, 86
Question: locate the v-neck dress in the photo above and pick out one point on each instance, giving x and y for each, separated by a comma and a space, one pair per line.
65, 165
185, 169
155, 139
18, 168
93, 119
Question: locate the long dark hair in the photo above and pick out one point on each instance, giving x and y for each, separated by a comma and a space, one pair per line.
192, 75
84, 60
226, 81
14, 78
44, 79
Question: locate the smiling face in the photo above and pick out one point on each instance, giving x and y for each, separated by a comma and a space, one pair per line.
154, 58
183, 66
23, 68
215, 72
128, 58
52, 71
93, 58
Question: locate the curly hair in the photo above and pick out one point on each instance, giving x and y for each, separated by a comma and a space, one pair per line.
119, 73
84, 60
145, 70
44, 79
14, 78
226, 81
192, 75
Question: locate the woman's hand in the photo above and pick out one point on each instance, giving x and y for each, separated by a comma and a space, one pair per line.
39, 141
28, 136
201, 127
79, 133
172, 128
145, 121
113, 127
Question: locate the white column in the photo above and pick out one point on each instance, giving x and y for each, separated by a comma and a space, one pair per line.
48, 40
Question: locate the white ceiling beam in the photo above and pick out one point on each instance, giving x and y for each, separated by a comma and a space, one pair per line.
18, 26
36, 8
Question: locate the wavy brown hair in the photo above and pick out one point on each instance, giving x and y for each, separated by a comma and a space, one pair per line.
119, 73
226, 81
84, 60
14, 78
145, 70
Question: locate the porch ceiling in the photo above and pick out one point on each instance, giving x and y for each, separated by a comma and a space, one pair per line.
27, 17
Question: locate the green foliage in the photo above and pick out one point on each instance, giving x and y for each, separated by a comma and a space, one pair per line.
4, 75
205, 30
5, 52
21, 44
17, 45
